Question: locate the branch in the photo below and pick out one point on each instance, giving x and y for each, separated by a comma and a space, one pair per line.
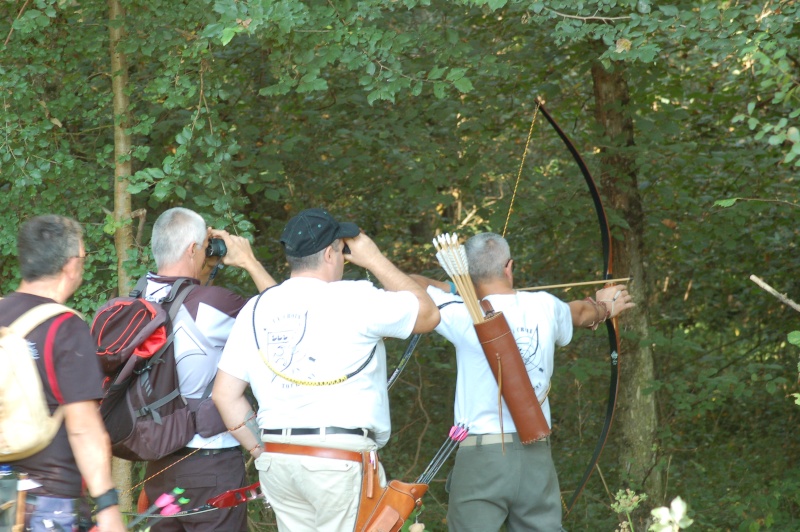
21, 11
782, 297
601, 19
730, 201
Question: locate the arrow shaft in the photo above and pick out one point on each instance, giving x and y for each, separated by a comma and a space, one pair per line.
583, 283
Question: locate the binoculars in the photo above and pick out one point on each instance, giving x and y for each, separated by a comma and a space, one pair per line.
216, 248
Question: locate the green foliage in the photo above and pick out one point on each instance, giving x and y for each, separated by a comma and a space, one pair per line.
411, 118
794, 338
626, 502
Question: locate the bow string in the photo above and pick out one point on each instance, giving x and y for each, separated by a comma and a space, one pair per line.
611, 325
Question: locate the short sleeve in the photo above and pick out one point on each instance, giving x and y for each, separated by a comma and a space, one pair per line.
77, 368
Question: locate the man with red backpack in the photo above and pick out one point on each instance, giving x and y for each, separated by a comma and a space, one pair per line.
183, 247
51, 257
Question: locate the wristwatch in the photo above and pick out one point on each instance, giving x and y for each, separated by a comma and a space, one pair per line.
107, 499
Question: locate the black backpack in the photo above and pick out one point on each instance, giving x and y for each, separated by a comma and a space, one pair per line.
144, 412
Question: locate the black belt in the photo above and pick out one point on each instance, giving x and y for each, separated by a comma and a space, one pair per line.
196, 451
328, 430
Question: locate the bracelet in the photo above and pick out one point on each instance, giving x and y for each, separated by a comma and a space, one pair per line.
605, 307
452, 287
606, 313
258, 446
106, 500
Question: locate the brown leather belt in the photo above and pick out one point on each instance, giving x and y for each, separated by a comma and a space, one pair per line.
306, 450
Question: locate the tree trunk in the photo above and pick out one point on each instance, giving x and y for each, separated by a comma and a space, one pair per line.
123, 236
636, 418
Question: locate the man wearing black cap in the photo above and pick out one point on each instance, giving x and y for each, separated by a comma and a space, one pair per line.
311, 349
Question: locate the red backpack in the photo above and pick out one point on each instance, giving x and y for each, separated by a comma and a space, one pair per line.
144, 412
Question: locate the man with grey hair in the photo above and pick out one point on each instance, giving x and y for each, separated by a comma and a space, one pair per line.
51, 259
497, 480
312, 351
212, 463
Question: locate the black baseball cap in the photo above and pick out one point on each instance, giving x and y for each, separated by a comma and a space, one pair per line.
313, 230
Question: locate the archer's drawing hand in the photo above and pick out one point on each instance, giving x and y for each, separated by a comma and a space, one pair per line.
615, 298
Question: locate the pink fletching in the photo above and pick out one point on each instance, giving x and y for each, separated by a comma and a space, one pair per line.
171, 509
164, 499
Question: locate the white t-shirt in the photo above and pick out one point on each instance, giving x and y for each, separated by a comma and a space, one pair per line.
313, 331
201, 327
539, 322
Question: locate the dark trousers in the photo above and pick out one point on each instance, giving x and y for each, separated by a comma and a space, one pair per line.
202, 476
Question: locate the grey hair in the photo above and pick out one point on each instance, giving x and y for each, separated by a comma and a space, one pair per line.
487, 254
45, 244
173, 231
311, 262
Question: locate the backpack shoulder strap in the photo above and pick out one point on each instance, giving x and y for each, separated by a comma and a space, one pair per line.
32, 319
38, 315
177, 293
177, 296
173, 304
140, 288
209, 387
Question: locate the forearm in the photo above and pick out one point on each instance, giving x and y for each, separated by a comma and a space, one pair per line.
588, 313
259, 275
240, 255
609, 302
90, 445
242, 424
425, 282
236, 412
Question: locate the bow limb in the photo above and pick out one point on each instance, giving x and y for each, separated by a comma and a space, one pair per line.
227, 499
412, 344
235, 497
611, 325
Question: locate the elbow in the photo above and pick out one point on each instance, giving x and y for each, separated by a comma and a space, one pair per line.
427, 320
220, 401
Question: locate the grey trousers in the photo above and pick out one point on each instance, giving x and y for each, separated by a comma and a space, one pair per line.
489, 488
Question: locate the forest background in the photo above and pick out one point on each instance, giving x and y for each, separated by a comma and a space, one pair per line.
412, 118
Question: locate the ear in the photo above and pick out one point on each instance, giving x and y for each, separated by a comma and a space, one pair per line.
508, 271
329, 254
72, 268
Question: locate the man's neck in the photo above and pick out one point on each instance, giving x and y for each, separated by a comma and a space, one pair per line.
176, 270
495, 286
52, 288
312, 274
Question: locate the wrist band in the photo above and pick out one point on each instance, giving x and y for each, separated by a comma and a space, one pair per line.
605, 307
107, 499
597, 305
452, 287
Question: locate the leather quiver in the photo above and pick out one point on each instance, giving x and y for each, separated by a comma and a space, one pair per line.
502, 354
385, 509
